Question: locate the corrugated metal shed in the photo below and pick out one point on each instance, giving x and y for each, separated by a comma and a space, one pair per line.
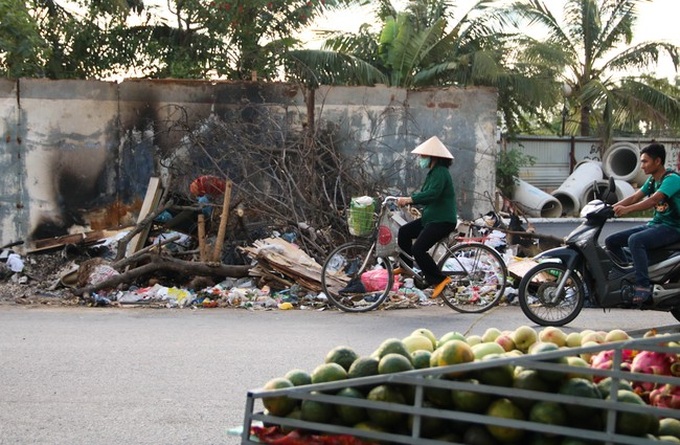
555, 157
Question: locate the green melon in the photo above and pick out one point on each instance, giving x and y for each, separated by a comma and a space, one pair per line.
342, 355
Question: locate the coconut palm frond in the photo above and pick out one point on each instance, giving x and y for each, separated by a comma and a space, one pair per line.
649, 102
536, 13
485, 68
619, 25
409, 49
643, 55
317, 67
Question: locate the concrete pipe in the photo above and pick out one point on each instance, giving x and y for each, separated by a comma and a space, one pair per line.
535, 202
623, 190
570, 193
622, 161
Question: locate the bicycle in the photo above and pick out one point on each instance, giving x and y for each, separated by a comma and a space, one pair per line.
356, 279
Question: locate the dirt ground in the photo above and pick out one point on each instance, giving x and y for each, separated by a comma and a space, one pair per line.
38, 283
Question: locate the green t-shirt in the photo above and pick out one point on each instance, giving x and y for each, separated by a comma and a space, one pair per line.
667, 211
437, 197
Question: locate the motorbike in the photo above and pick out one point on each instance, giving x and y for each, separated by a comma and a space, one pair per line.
554, 292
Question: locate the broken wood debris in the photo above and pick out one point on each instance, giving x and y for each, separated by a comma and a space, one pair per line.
276, 257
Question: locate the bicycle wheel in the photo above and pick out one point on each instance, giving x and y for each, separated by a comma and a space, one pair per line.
354, 279
538, 295
478, 277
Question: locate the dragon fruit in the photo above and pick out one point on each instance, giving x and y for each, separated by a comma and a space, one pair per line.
666, 396
652, 362
605, 359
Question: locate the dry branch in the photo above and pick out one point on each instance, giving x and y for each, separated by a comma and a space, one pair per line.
280, 179
154, 263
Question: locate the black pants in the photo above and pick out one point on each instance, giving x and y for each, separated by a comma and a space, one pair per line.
426, 237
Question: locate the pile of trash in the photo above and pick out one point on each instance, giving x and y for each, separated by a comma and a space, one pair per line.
154, 266
280, 277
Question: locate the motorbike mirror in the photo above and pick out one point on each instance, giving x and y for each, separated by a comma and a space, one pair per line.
596, 191
611, 189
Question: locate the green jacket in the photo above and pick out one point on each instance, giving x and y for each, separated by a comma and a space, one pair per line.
437, 197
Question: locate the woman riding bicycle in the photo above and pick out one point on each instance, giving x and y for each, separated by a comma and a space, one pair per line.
439, 214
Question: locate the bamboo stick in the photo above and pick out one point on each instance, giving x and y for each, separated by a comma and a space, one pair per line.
201, 238
219, 242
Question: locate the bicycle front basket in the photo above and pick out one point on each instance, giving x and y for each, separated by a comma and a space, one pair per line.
360, 216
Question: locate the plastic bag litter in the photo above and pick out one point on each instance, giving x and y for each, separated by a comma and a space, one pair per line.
15, 263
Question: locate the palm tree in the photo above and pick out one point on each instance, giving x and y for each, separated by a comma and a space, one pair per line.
427, 44
591, 46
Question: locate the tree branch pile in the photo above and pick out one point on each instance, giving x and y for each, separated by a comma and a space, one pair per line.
285, 178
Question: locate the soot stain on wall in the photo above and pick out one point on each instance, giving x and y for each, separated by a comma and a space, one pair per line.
80, 179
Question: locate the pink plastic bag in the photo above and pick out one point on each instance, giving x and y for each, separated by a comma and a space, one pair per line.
376, 280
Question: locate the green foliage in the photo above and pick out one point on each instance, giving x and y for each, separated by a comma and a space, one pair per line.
181, 39
426, 45
508, 164
590, 44
21, 49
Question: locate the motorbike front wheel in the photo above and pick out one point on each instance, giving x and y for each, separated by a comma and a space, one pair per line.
540, 301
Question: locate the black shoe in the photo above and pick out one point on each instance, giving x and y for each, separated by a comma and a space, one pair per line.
353, 287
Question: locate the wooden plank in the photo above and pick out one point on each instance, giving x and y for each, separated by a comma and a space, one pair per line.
222, 231
77, 239
151, 200
201, 237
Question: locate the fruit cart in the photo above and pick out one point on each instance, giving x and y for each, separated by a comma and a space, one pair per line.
430, 409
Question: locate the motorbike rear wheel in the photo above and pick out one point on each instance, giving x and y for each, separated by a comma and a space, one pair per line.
539, 300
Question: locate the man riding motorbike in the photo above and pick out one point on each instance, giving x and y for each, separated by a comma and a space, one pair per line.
660, 191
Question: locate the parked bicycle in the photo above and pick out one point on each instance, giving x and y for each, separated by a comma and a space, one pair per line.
358, 276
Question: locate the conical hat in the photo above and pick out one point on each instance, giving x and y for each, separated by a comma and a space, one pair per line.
433, 147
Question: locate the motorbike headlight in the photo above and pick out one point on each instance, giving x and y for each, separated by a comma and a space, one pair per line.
592, 206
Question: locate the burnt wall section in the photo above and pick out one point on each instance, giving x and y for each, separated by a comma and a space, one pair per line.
165, 123
70, 153
77, 155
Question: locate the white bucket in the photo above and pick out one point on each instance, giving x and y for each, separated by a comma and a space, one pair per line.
570, 194
535, 202
622, 161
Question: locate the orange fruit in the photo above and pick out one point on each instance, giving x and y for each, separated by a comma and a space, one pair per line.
454, 352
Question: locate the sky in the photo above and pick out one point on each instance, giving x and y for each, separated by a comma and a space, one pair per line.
657, 21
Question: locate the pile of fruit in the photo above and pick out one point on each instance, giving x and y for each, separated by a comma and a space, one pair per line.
423, 350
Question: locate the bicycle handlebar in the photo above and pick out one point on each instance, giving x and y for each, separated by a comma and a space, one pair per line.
389, 198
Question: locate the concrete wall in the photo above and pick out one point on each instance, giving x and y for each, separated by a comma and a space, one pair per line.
390, 122
77, 155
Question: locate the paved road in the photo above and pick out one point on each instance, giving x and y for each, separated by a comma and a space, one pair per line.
144, 376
